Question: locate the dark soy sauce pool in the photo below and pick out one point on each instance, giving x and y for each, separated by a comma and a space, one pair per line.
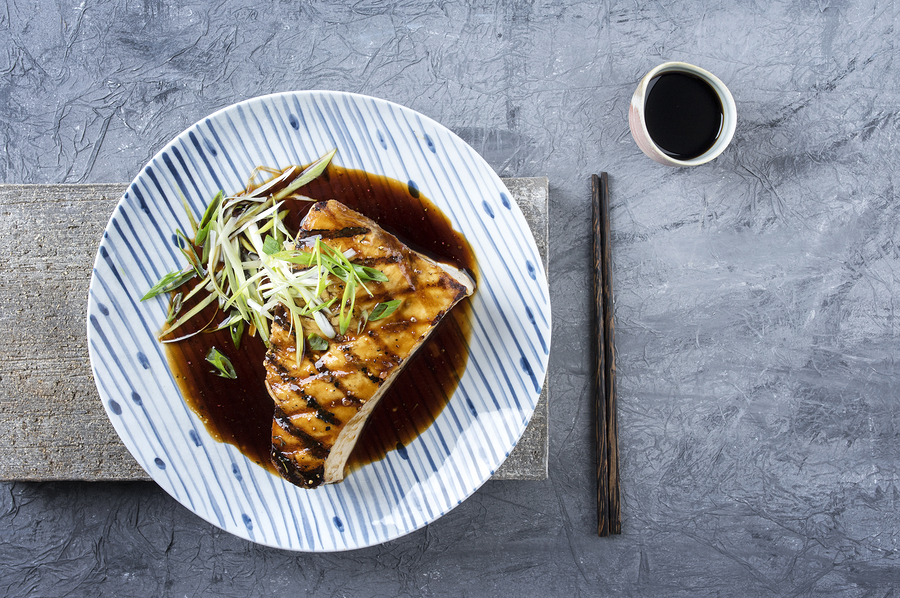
240, 411
683, 114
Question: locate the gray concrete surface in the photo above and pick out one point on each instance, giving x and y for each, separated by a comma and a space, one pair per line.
756, 327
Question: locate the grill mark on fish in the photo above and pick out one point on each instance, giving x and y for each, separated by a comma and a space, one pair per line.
379, 261
272, 363
303, 478
315, 447
348, 231
325, 399
351, 401
334, 377
310, 401
370, 376
327, 417
386, 358
280, 317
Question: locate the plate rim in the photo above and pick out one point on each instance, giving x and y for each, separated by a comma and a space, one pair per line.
435, 125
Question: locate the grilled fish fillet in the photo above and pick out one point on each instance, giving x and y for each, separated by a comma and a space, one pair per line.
322, 405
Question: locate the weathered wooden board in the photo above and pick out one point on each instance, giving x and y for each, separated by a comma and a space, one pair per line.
52, 423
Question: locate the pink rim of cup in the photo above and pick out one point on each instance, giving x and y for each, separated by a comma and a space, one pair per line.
638, 125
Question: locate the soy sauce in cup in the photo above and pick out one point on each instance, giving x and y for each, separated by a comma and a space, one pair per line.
683, 114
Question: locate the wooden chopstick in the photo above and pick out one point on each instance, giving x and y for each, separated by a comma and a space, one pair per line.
604, 370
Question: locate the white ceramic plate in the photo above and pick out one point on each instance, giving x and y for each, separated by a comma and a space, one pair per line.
484, 419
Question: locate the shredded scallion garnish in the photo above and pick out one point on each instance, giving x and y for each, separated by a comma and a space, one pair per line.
249, 263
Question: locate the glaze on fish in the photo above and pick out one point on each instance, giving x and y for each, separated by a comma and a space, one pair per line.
322, 404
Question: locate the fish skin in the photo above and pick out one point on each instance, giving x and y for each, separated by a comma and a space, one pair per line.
322, 404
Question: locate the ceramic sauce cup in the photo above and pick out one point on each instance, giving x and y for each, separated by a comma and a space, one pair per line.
682, 115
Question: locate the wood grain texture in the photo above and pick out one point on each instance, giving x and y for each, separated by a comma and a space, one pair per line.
598, 361
609, 347
52, 423
604, 362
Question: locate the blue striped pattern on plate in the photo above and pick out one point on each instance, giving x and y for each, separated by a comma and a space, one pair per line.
408, 489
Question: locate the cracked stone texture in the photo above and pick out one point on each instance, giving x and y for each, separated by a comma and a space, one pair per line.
756, 329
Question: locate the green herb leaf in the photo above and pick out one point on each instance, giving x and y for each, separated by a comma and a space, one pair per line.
310, 173
190, 314
221, 363
384, 309
211, 210
301, 258
190, 213
367, 273
174, 308
233, 318
206, 222
363, 320
316, 342
297, 325
347, 302
170, 282
187, 248
237, 331
271, 246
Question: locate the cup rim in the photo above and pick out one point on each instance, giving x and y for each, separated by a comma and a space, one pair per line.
729, 113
